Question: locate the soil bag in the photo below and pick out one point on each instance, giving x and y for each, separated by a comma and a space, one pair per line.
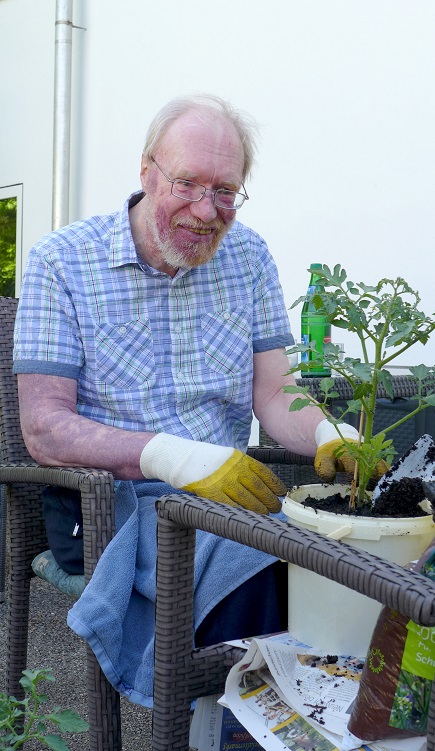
396, 682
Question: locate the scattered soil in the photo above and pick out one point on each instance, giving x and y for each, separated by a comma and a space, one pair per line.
400, 500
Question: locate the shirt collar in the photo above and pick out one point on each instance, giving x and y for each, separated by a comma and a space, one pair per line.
122, 247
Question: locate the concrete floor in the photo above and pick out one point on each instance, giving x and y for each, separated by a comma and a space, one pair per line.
53, 645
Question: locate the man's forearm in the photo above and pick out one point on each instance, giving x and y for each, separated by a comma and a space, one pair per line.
57, 436
293, 430
72, 440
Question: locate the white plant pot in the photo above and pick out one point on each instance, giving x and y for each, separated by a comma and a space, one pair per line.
327, 615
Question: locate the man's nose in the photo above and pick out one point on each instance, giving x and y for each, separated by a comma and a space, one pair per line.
205, 208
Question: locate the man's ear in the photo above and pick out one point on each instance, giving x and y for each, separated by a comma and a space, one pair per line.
143, 169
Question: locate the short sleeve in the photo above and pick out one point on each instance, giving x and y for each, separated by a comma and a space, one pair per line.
47, 336
271, 326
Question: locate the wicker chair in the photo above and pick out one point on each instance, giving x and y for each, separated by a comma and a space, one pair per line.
24, 480
3, 528
182, 673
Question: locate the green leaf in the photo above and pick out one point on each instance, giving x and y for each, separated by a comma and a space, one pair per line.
33, 677
386, 379
420, 371
55, 742
333, 395
361, 391
430, 399
296, 389
339, 274
363, 371
341, 323
17, 739
400, 335
297, 348
297, 302
298, 404
353, 406
68, 721
326, 384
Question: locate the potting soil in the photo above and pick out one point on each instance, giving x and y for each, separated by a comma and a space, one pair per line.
394, 695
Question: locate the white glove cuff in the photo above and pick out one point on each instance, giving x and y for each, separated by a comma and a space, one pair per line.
326, 432
180, 461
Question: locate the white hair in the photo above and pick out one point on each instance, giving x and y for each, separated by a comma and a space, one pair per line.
244, 124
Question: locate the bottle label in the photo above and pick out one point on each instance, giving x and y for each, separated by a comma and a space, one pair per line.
305, 355
305, 339
308, 356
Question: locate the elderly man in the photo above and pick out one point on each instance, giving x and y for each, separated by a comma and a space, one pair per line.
144, 340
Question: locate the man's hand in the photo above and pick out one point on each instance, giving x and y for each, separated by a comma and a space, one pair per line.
220, 473
327, 463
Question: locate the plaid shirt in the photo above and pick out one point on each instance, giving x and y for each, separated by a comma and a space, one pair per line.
150, 352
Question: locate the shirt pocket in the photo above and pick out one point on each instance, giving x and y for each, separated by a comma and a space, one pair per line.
124, 353
227, 340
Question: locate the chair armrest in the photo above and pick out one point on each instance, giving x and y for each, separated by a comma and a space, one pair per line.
97, 496
406, 591
278, 455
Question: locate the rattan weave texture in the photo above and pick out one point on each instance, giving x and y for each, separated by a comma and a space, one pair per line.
179, 669
24, 480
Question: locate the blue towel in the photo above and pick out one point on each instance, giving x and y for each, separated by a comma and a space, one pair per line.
115, 613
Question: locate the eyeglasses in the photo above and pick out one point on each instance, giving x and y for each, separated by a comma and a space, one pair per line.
188, 191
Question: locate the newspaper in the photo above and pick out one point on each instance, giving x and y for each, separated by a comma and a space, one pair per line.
288, 697
214, 728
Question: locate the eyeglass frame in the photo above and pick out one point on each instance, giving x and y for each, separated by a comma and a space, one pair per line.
205, 190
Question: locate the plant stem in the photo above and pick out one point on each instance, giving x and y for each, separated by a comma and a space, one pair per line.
355, 471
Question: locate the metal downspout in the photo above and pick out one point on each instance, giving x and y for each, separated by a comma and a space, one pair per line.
62, 113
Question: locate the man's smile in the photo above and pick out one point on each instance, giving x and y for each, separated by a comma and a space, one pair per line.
192, 229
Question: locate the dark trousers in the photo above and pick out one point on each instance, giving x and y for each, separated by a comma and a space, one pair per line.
259, 606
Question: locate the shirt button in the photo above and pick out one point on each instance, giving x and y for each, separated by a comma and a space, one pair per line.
122, 330
227, 315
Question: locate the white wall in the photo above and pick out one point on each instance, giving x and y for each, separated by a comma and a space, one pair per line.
343, 91
26, 107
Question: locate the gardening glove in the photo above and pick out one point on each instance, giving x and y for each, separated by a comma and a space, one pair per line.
220, 473
327, 463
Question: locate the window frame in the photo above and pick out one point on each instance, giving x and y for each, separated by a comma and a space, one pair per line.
16, 191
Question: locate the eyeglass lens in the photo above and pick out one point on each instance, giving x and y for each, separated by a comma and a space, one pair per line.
225, 199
